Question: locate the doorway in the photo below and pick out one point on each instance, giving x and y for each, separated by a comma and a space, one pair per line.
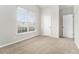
66, 26
46, 25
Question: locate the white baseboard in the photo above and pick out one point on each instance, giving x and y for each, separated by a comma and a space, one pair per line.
16, 41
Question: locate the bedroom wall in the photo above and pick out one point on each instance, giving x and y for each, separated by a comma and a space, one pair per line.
76, 25
52, 11
8, 29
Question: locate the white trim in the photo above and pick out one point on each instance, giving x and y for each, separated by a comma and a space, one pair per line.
7, 44
26, 32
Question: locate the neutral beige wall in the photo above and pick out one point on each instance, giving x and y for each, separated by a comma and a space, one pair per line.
66, 9
8, 24
76, 25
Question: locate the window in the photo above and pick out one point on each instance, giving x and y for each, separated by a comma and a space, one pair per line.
25, 20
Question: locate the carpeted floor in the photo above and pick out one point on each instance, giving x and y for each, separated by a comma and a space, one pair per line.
42, 45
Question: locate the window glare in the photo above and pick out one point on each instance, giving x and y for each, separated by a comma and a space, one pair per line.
22, 15
26, 20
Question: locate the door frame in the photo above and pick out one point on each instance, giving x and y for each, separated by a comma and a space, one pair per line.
73, 22
72, 26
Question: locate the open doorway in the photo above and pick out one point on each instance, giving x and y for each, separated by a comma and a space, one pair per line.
66, 28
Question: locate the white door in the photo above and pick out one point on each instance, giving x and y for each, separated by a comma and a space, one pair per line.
68, 26
46, 25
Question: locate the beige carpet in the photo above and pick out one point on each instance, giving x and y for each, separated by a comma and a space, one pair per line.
42, 45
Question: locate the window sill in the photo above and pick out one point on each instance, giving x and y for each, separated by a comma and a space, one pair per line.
25, 33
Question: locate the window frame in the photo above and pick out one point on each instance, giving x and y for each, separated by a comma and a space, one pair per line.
27, 25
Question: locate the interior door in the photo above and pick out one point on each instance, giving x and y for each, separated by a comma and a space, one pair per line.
68, 26
47, 25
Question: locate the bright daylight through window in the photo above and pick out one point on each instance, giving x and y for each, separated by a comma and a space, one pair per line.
25, 20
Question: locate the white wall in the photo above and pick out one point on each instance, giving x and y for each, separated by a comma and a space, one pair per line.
53, 11
8, 24
66, 9
76, 25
